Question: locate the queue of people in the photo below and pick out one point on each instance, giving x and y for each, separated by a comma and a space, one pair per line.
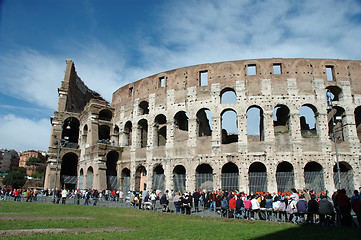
297, 206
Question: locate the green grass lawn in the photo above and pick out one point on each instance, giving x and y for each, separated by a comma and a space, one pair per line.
155, 225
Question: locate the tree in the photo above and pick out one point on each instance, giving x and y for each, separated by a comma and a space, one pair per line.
16, 178
33, 161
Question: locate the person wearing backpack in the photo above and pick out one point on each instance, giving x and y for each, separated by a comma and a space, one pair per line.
356, 206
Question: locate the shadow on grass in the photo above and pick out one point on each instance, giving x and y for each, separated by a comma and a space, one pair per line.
310, 232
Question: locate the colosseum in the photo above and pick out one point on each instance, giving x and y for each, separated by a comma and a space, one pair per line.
249, 125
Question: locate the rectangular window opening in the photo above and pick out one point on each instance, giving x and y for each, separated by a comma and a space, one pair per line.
203, 75
329, 73
131, 92
162, 82
251, 69
277, 68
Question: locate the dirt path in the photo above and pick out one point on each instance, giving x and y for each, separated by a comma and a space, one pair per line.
44, 218
24, 232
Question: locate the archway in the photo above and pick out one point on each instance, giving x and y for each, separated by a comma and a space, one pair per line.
229, 126
125, 180
143, 133
204, 177
255, 125
111, 172
179, 178
346, 177
158, 178
257, 177
230, 177
143, 108
104, 134
70, 132
81, 179
313, 173
358, 121
285, 177
336, 123
160, 129
89, 178
204, 122
308, 120
228, 96
281, 117
105, 115
68, 172
140, 178
128, 134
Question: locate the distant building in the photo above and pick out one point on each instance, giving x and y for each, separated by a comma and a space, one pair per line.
9, 160
31, 169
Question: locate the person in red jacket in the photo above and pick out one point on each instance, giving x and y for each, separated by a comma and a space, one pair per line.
232, 205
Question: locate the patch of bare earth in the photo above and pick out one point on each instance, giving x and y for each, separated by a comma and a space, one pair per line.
22, 232
10, 213
43, 218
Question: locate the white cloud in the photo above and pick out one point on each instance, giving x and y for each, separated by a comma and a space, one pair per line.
192, 32
24, 134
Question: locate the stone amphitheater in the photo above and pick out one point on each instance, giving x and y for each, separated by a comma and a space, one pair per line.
250, 125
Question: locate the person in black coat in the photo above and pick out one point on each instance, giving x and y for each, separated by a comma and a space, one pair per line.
196, 197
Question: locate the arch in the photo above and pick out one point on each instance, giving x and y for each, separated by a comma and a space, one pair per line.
255, 124
111, 172
179, 178
160, 130
125, 180
158, 178
281, 117
204, 177
308, 120
143, 107
105, 115
104, 134
69, 171
333, 93
336, 121
181, 120
140, 178
257, 177
143, 132
181, 126
85, 134
70, 132
230, 174
346, 177
128, 133
89, 178
115, 140
357, 114
228, 96
229, 126
313, 174
285, 177
81, 179
204, 122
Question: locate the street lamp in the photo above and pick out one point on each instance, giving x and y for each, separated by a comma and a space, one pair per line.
338, 118
58, 144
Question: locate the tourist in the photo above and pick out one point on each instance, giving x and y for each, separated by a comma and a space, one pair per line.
356, 206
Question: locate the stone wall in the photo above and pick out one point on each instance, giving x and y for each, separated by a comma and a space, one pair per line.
273, 90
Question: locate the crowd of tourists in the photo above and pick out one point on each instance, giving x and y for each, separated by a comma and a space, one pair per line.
297, 206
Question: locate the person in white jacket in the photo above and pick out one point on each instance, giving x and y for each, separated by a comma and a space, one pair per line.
255, 207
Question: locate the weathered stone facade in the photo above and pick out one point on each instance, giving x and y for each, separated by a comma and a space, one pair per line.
169, 130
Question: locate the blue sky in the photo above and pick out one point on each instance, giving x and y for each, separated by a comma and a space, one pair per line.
116, 42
